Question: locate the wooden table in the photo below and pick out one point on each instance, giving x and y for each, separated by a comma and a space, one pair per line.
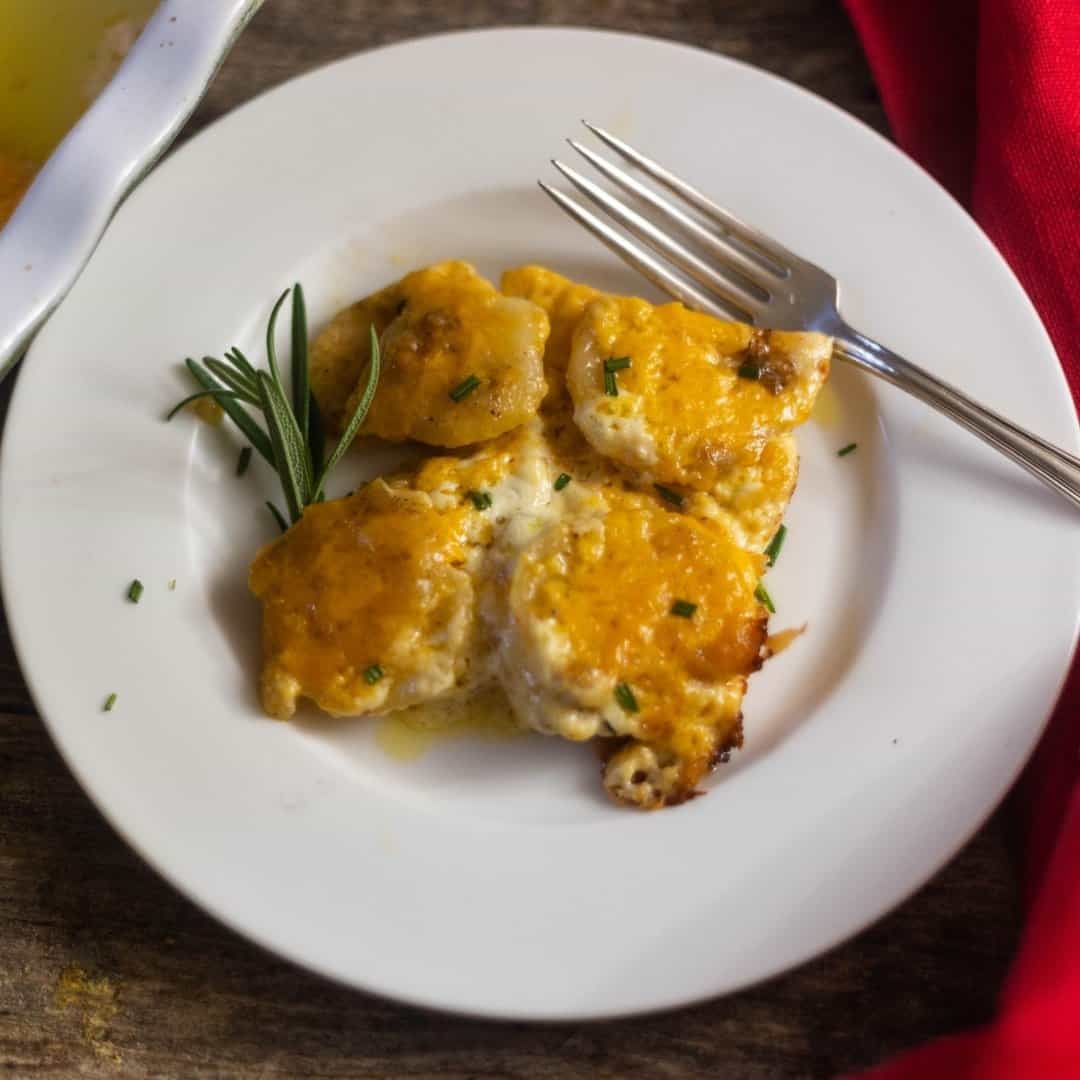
105, 971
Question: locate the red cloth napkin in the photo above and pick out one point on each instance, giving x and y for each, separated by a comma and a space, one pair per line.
986, 95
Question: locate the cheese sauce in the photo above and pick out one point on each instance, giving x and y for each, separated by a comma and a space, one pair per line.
411, 733
55, 57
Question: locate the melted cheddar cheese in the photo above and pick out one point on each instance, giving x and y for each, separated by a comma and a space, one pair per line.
751, 497
439, 328
590, 610
379, 578
681, 410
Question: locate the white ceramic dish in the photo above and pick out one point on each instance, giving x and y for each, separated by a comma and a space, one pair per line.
130, 125
492, 877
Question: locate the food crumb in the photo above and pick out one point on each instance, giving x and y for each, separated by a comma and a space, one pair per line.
95, 999
207, 410
782, 639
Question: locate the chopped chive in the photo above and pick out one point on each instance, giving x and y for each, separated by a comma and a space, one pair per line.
845, 450
243, 461
562, 480
110, 701
135, 590
668, 495
761, 594
625, 697
464, 388
616, 363
772, 552
749, 370
373, 674
480, 499
172, 584
684, 609
611, 387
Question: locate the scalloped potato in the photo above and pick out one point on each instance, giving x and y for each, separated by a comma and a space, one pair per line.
752, 497
601, 563
461, 363
592, 641
692, 396
368, 604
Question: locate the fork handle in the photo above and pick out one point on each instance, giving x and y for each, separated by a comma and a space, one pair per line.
1053, 466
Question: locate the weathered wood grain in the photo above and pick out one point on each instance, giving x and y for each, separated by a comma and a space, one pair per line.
106, 971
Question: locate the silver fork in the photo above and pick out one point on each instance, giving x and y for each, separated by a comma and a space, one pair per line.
722, 266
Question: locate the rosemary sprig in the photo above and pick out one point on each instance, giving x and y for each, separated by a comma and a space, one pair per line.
293, 439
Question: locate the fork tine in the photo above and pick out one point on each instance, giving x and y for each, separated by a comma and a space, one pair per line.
748, 269
643, 260
772, 256
716, 279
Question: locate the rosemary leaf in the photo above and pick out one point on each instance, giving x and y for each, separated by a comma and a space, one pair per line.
316, 435
358, 416
243, 387
283, 525
290, 451
300, 390
271, 349
255, 434
241, 363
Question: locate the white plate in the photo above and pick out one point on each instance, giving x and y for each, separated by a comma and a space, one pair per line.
940, 584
